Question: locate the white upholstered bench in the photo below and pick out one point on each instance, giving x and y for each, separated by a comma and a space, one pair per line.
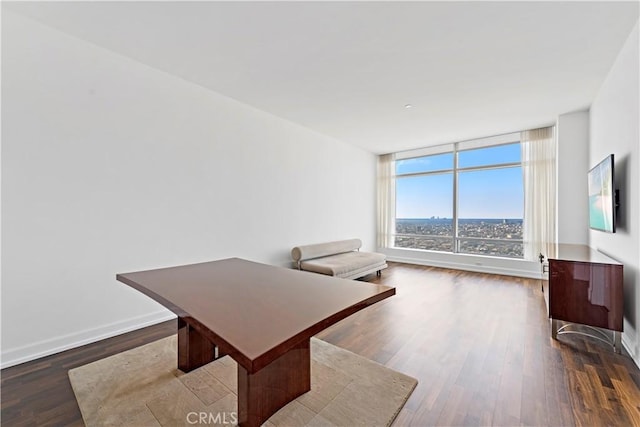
342, 258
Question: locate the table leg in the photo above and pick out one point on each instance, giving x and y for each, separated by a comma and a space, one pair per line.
263, 393
194, 350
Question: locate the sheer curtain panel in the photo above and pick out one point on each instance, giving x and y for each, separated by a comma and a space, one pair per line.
539, 176
386, 202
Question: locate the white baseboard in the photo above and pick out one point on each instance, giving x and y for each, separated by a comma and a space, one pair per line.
468, 267
630, 343
51, 346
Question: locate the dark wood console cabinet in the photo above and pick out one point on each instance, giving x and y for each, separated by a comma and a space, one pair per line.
585, 287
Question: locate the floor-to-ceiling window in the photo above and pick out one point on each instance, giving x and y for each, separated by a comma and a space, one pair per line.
466, 197
424, 202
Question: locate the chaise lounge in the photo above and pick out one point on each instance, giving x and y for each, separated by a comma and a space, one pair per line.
341, 258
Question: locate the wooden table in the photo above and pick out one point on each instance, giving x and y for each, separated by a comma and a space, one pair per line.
260, 315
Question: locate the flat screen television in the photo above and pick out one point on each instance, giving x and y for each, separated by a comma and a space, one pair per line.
602, 196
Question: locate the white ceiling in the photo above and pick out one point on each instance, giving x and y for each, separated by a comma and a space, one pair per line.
346, 69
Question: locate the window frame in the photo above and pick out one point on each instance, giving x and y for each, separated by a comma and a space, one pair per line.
456, 149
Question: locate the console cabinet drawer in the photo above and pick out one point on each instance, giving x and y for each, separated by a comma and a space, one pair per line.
586, 293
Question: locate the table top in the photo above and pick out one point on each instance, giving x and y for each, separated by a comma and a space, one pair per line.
581, 253
255, 312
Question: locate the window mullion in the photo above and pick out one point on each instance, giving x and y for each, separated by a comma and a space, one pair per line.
455, 199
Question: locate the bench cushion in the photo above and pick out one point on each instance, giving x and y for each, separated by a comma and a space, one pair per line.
300, 253
345, 264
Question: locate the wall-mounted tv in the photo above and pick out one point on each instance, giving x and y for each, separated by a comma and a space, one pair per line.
602, 196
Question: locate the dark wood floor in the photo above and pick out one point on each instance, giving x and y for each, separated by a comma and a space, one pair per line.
477, 343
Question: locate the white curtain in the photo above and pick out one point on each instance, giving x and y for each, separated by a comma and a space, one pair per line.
386, 200
539, 173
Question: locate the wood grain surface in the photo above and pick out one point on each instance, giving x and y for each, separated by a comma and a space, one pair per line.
254, 312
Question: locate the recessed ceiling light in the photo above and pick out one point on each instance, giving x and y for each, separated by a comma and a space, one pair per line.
408, 106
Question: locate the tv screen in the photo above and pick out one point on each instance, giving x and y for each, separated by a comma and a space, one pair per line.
602, 203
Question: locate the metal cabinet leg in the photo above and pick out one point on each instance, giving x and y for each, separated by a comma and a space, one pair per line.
617, 342
555, 325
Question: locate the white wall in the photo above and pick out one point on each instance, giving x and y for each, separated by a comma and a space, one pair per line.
573, 164
111, 166
615, 129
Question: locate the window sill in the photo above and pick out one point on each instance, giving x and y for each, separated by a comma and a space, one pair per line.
468, 262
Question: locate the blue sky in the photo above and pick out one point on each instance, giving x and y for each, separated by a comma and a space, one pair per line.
495, 193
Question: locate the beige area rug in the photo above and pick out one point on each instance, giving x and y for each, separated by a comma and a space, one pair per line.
143, 387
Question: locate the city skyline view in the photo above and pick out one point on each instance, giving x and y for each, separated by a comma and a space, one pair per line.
494, 237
